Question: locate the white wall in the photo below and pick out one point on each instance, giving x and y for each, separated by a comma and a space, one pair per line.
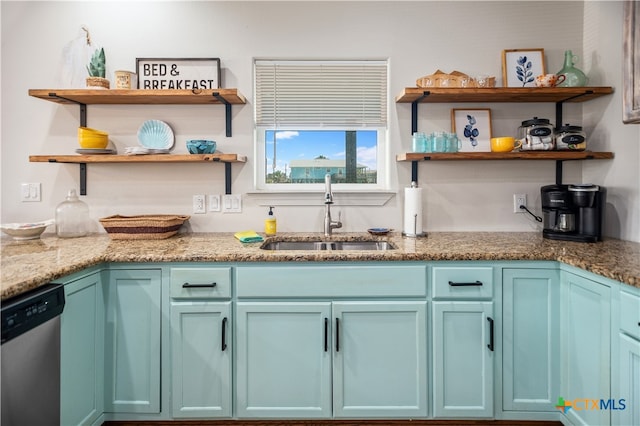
417, 37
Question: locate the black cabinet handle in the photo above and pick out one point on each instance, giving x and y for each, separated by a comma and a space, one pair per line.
209, 285
337, 334
454, 284
490, 345
326, 334
224, 333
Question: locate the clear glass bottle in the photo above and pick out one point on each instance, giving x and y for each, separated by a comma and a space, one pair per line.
72, 217
573, 76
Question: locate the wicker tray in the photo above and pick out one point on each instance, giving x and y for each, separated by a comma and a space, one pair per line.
142, 227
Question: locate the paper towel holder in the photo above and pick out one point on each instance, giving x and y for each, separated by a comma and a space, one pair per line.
415, 225
414, 234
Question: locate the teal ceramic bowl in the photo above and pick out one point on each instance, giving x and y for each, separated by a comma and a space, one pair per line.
201, 146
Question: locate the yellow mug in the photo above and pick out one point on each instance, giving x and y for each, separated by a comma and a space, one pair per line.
505, 144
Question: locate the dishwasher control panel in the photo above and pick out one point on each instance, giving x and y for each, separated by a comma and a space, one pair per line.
27, 311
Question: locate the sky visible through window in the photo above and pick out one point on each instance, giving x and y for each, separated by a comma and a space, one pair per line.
311, 144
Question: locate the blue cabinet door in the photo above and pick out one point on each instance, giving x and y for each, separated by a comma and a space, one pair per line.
531, 339
463, 359
201, 359
132, 355
380, 359
82, 352
628, 382
283, 359
585, 347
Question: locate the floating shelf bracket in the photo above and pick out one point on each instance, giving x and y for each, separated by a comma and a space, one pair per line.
227, 178
560, 104
414, 172
559, 165
414, 111
83, 108
227, 111
83, 178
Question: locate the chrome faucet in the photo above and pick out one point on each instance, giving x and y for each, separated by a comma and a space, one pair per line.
329, 224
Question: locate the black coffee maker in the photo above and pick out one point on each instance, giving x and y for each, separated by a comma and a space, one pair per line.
573, 212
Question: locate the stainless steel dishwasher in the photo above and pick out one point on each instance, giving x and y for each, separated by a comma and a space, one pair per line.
30, 357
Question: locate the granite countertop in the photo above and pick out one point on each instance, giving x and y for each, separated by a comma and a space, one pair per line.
28, 264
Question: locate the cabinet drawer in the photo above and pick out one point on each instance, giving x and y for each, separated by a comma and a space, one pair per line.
459, 282
332, 281
201, 283
630, 313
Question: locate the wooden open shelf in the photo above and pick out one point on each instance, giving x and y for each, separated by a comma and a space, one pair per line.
83, 160
139, 97
501, 94
156, 158
521, 155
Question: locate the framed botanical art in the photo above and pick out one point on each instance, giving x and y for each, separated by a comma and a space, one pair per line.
473, 127
520, 67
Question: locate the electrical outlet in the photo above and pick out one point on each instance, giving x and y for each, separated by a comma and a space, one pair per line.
30, 192
519, 200
232, 203
214, 203
199, 206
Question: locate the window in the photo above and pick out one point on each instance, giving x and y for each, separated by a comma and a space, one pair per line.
318, 117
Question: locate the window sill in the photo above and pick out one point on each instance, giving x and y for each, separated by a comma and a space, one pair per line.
340, 198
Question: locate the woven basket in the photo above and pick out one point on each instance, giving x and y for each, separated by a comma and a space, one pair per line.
142, 227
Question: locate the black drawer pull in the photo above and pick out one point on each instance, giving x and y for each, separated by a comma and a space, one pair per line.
337, 335
210, 285
224, 333
490, 345
326, 334
453, 284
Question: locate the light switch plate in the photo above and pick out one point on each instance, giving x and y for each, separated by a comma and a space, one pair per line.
214, 202
30, 192
232, 203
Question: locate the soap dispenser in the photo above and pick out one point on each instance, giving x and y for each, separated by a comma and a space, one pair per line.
270, 223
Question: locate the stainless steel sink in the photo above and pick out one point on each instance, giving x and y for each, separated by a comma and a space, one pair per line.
328, 245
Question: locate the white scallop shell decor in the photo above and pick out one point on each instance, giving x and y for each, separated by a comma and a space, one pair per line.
155, 134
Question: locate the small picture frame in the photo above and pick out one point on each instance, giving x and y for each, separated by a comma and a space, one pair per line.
473, 127
520, 67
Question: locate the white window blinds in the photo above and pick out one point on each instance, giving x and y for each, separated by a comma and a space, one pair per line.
321, 93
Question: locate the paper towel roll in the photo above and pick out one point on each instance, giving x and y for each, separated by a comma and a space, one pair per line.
412, 212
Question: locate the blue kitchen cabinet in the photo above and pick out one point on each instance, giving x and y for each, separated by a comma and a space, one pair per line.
82, 351
380, 359
201, 344
585, 333
464, 338
463, 357
132, 341
625, 380
336, 340
283, 359
201, 359
530, 339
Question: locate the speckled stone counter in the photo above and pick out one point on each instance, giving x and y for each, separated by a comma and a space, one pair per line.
28, 264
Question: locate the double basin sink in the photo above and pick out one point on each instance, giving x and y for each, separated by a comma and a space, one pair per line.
328, 245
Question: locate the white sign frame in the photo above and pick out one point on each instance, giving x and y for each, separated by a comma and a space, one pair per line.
178, 73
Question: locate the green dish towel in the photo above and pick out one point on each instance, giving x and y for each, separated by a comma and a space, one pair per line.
248, 236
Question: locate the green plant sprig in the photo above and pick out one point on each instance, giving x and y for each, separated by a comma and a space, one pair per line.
97, 66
